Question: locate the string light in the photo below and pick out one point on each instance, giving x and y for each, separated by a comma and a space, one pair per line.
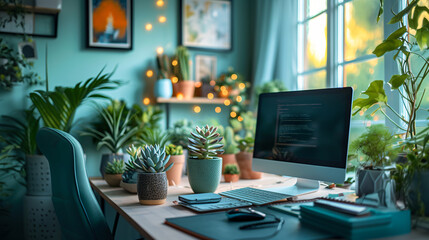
174, 63
234, 76
174, 79
375, 118
180, 96
227, 102
212, 82
148, 27
240, 118
239, 98
218, 109
197, 109
159, 50
210, 96
162, 19
241, 85
146, 101
361, 113
198, 84
160, 3
233, 114
149, 73
223, 88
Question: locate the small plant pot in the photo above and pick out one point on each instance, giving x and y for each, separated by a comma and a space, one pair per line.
152, 188
231, 177
113, 179
174, 175
244, 160
204, 174
228, 159
187, 88
106, 158
129, 187
371, 181
163, 88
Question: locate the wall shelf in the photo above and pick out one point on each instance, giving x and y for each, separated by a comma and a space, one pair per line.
195, 100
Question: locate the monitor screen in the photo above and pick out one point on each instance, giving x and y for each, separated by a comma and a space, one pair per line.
304, 127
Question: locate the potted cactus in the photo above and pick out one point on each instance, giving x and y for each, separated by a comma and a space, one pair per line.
185, 85
176, 156
228, 157
244, 159
113, 172
152, 183
129, 177
231, 173
204, 166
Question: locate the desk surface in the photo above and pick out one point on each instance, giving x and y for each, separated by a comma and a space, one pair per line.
149, 220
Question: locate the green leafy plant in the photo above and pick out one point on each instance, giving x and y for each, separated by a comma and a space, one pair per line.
244, 128
269, 87
164, 66
155, 137
119, 132
375, 146
58, 108
181, 69
148, 118
152, 159
172, 149
180, 132
134, 153
246, 144
204, 143
231, 169
228, 140
115, 167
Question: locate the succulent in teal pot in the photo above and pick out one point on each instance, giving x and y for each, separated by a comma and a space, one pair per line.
204, 165
151, 164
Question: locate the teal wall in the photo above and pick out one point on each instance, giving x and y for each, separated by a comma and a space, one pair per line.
70, 62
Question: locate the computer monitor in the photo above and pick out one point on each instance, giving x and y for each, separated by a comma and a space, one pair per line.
303, 134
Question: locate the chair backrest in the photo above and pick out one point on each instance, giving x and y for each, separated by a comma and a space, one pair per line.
76, 207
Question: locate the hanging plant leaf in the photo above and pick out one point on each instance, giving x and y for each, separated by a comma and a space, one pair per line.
375, 93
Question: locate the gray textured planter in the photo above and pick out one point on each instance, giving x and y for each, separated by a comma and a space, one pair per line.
420, 184
152, 188
371, 181
106, 158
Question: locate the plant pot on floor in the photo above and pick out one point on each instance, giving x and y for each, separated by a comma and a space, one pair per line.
419, 186
106, 158
244, 160
113, 179
152, 188
371, 181
228, 159
163, 88
186, 88
231, 177
174, 175
204, 174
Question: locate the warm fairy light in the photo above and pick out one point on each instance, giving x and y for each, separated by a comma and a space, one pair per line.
223, 88
375, 118
160, 3
174, 79
148, 27
368, 124
240, 118
212, 82
162, 19
197, 109
149, 73
361, 113
210, 96
180, 96
234, 76
198, 84
224, 93
239, 98
241, 85
233, 114
174, 62
159, 50
146, 101
226, 102
218, 109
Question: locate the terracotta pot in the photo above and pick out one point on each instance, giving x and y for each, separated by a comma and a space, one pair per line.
231, 177
187, 88
244, 160
113, 179
227, 159
152, 188
174, 175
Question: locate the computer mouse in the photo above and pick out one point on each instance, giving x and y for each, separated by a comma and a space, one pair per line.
241, 215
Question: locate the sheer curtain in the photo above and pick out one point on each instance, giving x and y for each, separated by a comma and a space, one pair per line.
275, 46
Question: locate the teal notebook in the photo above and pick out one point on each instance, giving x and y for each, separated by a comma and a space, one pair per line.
216, 226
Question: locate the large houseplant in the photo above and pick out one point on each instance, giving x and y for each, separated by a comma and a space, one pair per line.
204, 167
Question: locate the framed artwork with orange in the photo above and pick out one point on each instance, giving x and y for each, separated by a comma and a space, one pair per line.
110, 24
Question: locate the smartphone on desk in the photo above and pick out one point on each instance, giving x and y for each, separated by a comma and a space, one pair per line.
200, 198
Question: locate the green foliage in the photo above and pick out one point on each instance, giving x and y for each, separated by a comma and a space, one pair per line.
115, 167
155, 137
376, 147
172, 149
246, 144
58, 108
269, 87
15, 13
134, 153
233, 86
229, 141
245, 128
118, 131
152, 159
204, 143
164, 66
146, 118
180, 132
181, 70
231, 169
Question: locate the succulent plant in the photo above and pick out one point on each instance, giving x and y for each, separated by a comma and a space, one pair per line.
129, 176
246, 144
155, 137
115, 167
172, 149
151, 159
205, 143
228, 140
134, 153
231, 169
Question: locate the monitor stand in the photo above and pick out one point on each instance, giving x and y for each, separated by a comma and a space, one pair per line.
302, 186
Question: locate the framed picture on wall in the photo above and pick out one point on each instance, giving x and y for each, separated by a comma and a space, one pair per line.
206, 24
205, 68
110, 24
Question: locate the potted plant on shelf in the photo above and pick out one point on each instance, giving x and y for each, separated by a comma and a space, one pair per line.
231, 173
204, 167
115, 131
174, 176
113, 172
185, 86
374, 151
152, 181
244, 159
163, 87
228, 157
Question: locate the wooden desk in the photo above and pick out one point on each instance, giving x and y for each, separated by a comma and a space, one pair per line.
149, 220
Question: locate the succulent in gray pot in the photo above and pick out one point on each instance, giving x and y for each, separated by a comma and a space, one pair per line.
204, 165
374, 150
152, 181
113, 172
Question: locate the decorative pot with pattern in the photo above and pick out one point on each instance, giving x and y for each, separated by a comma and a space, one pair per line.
152, 188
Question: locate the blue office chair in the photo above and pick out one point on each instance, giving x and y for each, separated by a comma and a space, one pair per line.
77, 209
